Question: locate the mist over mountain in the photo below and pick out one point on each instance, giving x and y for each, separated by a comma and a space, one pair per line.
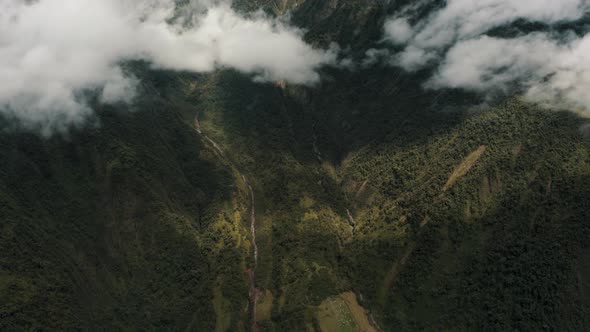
547, 64
54, 51
294, 165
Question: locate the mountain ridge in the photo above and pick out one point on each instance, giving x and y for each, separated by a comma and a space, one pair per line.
137, 223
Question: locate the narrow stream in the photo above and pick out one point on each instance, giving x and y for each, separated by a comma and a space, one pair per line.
254, 292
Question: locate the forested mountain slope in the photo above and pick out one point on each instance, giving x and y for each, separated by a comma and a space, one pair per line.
379, 205
118, 226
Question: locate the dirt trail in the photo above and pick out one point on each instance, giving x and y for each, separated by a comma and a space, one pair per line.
393, 273
254, 292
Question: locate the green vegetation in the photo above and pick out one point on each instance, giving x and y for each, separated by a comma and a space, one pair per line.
138, 224
498, 246
334, 315
117, 227
343, 313
436, 216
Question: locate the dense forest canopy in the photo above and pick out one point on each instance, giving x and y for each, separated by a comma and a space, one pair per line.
294, 165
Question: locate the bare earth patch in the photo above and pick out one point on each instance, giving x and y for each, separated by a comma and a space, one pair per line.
394, 271
464, 167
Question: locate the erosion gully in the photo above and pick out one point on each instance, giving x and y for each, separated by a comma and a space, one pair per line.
254, 291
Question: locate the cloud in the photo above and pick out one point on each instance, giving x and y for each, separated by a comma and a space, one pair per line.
485, 63
553, 68
52, 51
465, 19
398, 30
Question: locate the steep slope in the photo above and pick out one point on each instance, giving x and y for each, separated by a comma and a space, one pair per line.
500, 247
379, 205
439, 201
119, 226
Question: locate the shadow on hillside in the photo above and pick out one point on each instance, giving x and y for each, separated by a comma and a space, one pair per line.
345, 112
99, 229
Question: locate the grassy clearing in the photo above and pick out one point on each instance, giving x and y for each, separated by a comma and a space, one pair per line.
334, 315
359, 313
264, 306
343, 313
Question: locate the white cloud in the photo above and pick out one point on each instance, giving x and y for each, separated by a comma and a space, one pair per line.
414, 58
485, 63
548, 68
464, 19
398, 30
52, 50
374, 56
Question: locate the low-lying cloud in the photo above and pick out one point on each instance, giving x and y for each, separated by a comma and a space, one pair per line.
455, 41
52, 51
